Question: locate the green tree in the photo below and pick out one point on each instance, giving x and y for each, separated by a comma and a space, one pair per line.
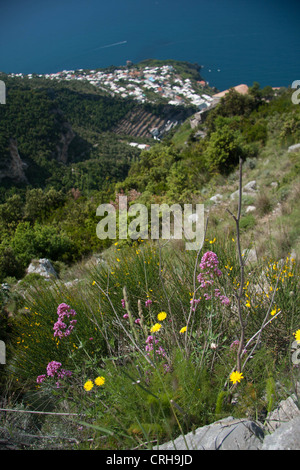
223, 150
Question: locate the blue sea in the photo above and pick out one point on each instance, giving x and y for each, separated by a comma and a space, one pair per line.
236, 41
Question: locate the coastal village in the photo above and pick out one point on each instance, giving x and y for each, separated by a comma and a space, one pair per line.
141, 84
154, 84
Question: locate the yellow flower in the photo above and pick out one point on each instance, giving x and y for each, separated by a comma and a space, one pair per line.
118, 260
94, 282
274, 311
99, 381
155, 328
236, 377
88, 385
248, 304
297, 336
182, 330
161, 316
212, 241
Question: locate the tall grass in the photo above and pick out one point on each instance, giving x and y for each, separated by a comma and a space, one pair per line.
159, 332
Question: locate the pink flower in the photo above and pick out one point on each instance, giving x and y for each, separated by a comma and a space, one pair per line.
123, 303
126, 315
224, 300
40, 378
60, 327
148, 303
138, 321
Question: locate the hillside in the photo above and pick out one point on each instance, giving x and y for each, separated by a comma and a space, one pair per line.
187, 338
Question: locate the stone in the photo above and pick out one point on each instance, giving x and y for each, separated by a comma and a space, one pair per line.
251, 186
249, 256
217, 198
286, 437
43, 267
250, 209
226, 434
294, 148
248, 189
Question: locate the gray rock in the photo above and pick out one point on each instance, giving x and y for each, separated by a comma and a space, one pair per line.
226, 434
217, 198
285, 411
250, 209
250, 256
248, 189
294, 148
251, 186
286, 437
43, 267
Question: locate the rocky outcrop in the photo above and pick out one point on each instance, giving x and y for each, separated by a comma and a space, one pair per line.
226, 434
280, 431
14, 167
43, 267
66, 138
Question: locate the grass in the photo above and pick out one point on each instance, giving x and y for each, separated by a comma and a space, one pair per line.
182, 381
153, 392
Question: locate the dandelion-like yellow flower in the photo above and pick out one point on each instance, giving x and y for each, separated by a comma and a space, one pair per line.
155, 328
99, 381
88, 385
297, 336
236, 377
183, 330
161, 316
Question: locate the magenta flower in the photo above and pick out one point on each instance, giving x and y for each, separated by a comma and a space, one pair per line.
123, 303
148, 302
125, 315
61, 329
40, 378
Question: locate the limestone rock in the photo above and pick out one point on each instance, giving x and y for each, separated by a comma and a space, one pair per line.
217, 198
226, 434
294, 148
286, 437
285, 411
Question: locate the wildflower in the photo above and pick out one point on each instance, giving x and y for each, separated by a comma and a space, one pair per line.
236, 377
235, 344
161, 316
138, 321
274, 311
40, 378
123, 303
212, 241
88, 385
224, 300
155, 328
52, 368
148, 302
61, 329
183, 330
125, 315
297, 336
99, 381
